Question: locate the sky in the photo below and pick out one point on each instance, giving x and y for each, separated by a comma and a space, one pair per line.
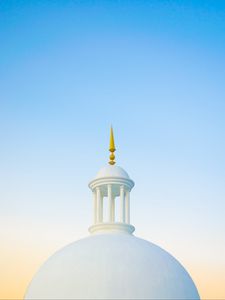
154, 70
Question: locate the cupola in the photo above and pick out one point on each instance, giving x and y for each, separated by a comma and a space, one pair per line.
111, 189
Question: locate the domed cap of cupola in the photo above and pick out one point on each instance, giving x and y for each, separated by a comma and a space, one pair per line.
112, 174
112, 171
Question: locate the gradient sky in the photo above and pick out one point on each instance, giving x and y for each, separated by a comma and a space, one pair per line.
153, 69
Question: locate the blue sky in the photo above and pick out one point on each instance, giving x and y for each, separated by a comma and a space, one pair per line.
153, 69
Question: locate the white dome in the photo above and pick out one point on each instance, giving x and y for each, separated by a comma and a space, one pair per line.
112, 171
112, 266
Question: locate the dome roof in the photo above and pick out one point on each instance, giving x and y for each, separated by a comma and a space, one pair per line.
112, 171
112, 266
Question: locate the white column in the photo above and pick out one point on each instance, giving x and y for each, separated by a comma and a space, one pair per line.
122, 210
99, 205
113, 210
110, 200
101, 209
127, 207
94, 207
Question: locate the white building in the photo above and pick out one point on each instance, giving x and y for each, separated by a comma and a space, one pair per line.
112, 263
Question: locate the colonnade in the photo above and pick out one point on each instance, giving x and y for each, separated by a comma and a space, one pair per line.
124, 205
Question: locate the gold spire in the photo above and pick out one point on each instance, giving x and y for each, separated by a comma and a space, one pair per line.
112, 148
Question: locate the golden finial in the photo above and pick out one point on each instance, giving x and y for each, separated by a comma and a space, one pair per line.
112, 148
